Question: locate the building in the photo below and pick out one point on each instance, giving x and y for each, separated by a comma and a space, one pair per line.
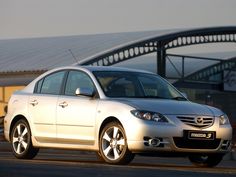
205, 80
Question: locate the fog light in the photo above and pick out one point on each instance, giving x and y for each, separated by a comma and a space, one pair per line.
154, 142
224, 119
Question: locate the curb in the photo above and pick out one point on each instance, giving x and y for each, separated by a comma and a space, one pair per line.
6, 147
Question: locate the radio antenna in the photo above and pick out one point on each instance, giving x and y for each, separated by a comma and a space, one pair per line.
73, 55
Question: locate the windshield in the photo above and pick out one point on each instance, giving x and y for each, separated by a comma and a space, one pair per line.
135, 85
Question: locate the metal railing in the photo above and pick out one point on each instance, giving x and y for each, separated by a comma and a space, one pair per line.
1, 129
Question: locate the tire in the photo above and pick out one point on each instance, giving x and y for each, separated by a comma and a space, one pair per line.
21, 141
99, 157
210, 160
113, 147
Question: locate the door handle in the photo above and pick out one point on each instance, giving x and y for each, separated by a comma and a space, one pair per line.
34, 102
63, 104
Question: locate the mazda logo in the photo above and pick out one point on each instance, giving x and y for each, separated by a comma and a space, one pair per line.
199, 120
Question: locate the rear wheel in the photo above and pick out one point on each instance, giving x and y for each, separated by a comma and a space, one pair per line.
113, 146
209, 160
21, 141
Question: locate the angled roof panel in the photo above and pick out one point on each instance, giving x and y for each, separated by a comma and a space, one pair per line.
46, 53
37, 54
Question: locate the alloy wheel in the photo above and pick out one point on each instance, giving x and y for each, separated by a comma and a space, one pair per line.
113, 143
20, 138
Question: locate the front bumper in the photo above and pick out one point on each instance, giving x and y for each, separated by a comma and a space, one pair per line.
171, 138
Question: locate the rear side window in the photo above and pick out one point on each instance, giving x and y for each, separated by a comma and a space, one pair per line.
51, 84
39, 86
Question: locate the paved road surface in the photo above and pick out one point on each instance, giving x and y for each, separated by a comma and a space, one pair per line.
60, 163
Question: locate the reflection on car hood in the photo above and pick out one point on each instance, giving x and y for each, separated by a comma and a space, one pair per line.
166, 107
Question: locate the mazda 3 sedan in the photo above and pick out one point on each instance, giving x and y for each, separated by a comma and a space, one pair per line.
115, 112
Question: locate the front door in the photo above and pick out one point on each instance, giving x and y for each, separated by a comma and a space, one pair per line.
76, 114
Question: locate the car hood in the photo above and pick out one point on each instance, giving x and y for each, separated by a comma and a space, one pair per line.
169, 107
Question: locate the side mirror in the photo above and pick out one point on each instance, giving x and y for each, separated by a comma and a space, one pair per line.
84, 92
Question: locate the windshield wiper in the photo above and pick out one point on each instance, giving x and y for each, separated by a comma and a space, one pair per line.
179, 98
152, 97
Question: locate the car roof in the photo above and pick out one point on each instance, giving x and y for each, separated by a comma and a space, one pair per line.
90, 69
100, 68
111, 68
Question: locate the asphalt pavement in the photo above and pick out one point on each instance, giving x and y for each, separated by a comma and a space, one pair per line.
60, 163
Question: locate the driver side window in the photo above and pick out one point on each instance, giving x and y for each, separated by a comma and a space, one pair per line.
77, 79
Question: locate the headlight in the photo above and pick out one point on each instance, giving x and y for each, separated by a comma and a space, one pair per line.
224, 119
152, 116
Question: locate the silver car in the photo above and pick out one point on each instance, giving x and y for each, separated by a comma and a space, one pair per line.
115, 112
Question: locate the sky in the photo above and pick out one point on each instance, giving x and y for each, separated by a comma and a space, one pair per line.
43, 18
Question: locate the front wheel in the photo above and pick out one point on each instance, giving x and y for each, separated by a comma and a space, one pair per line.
210, 160
113, 146
21, 141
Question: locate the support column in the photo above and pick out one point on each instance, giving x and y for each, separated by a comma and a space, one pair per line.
161, 60
183, 68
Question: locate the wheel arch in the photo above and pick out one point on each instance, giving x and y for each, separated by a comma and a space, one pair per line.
106, 121
13, 122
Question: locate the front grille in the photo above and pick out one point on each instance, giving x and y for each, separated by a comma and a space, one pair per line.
197, 121
196, 144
